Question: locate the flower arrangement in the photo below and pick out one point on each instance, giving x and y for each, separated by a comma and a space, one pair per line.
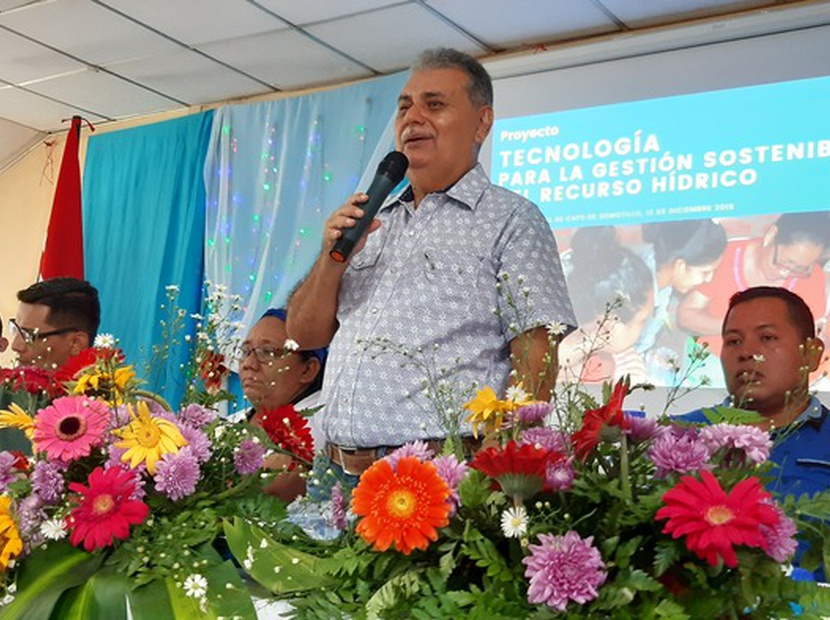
123, 503
607, 515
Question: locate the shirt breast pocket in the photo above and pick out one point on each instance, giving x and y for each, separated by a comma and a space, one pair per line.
360, 277
452, 273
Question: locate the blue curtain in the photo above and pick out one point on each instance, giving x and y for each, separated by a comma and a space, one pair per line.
144, 229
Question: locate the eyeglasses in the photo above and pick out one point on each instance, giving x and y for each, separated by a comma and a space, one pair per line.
262, 354
802, 271
31, 336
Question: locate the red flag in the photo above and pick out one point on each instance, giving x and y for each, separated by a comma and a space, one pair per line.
63, 253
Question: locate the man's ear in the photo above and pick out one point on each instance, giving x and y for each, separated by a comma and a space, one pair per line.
78, 342
485, 122
4, 343
813, 353
310, 370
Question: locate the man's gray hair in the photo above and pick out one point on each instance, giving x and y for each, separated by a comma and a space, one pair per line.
480, 88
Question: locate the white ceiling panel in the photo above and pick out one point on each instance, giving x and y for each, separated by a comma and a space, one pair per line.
177, 52
200, 21
85, 30
505, 25
37, 112
190, 77
381, 44
644, 14
309, 11
22, 60
286, 59
103, 94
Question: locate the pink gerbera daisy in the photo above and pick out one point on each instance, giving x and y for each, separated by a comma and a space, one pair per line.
70, 427
105, 510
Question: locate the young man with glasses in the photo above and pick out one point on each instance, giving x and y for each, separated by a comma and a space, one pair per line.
56, 319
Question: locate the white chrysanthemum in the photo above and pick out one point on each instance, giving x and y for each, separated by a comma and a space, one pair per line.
556, 328
516, 394
291, 345
195, 586
514, 522
53, 529
104, 341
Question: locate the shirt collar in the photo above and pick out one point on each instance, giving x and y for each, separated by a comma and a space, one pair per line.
466, 191
813, 415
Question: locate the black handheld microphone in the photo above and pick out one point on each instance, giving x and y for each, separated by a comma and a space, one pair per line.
390, 172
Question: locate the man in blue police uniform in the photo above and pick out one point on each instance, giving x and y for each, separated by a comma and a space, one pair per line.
769, 350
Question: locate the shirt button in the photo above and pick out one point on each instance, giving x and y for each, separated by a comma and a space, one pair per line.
411, 233
374, 310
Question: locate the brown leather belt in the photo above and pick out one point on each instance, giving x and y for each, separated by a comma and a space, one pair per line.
354, 461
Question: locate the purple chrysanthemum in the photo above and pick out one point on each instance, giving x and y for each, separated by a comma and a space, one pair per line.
532, 413
339, 506
48, 481
8, 473
547, 438
560, 474
562, 569
641, 429
679, 451
120, 417
30, 514
197, 416
197, 441
742, 441
453, 472
418, 449
248, 457
177, 474
780, 538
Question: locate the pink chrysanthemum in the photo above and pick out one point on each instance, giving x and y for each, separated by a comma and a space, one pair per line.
197, 441
177, 474
780, 538
741, 442
48, 481
562, 569
678, 451
70, 427
453, 472
105, 510
532, 412
560, 474
643, 429
419, 449
546, 438
339, 507
197, 416
248, 457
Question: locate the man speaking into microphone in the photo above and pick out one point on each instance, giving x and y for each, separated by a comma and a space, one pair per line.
422, 282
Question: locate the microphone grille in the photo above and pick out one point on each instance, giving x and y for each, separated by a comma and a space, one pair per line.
394, 166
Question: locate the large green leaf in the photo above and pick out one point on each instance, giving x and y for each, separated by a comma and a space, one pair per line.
45, 575
102, 597
150, 602
278, 567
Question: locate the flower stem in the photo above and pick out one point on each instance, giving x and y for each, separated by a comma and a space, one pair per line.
625, 482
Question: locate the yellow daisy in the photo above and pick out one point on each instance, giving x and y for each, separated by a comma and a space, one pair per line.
16, 417
10, 543
148, 438
488, 411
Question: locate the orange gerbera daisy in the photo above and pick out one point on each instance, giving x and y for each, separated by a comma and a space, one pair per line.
402, 505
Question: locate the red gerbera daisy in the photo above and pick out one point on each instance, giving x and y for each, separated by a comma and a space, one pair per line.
105, 510
521, 470
86, 358
713, 520
402, 505
289, 430
596, 421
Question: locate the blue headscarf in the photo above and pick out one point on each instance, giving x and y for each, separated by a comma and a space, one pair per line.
281, 314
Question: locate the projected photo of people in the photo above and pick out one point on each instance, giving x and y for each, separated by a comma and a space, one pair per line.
673, 281
612, 292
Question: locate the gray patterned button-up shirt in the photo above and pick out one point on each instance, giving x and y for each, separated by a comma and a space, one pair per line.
424, 309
